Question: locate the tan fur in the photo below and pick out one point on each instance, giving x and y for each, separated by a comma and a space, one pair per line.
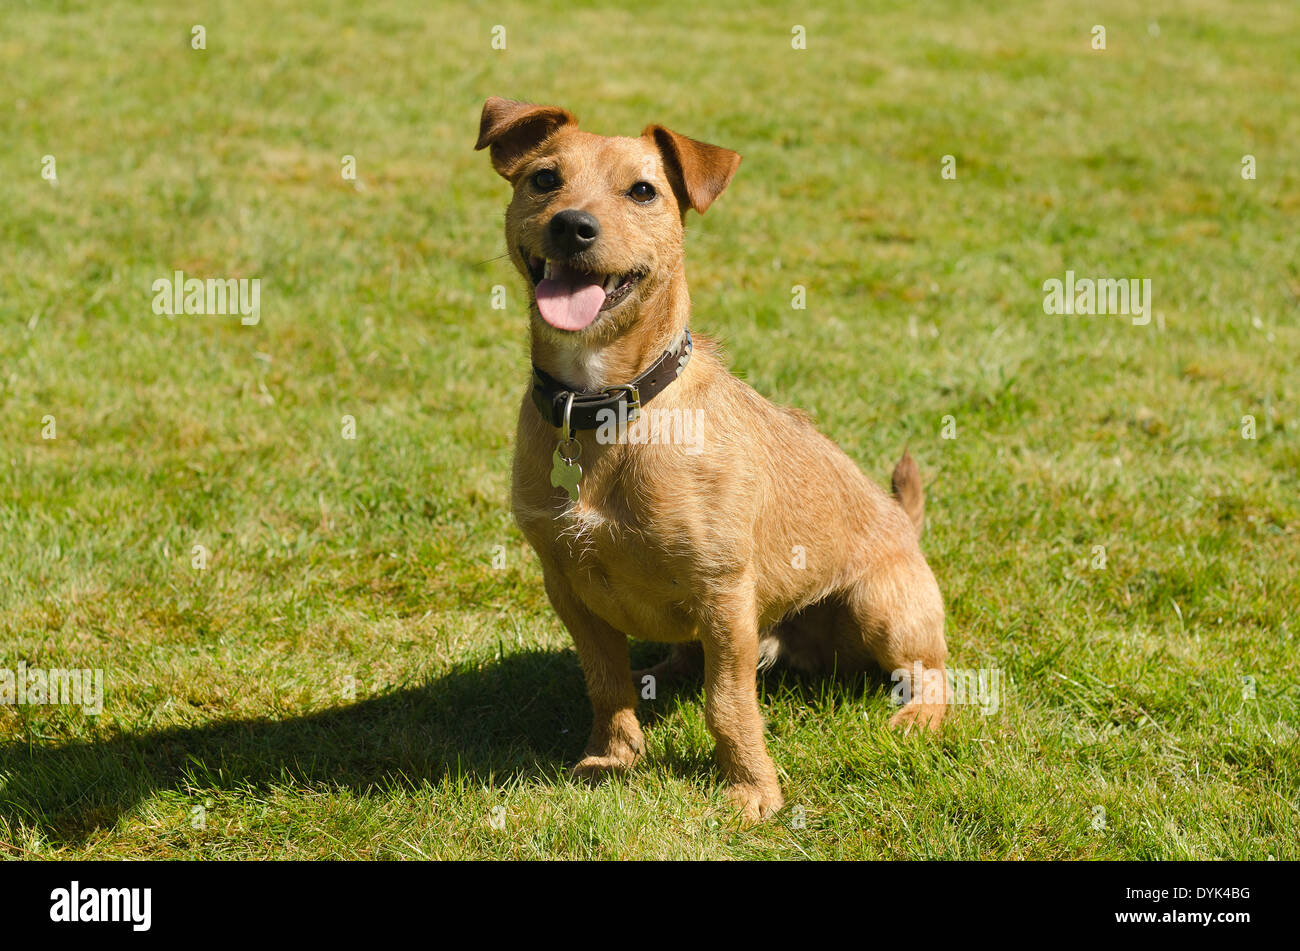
906, 485
696, 547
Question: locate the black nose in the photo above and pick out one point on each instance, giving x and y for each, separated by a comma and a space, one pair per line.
574, 231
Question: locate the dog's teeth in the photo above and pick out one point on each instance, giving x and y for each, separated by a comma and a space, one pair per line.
546, 271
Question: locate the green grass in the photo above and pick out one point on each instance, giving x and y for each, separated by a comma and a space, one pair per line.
370, 561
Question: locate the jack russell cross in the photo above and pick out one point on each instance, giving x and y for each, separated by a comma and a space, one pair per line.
689, 545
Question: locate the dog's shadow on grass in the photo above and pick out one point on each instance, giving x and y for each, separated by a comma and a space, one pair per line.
521, 716
524, 716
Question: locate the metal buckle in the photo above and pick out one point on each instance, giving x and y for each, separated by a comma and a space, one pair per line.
633, 402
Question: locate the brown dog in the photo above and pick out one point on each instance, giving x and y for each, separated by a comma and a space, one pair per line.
751, 533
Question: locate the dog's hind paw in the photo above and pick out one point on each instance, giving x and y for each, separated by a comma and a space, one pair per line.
927, 704
924, 716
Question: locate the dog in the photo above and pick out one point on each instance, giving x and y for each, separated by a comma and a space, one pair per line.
761, 540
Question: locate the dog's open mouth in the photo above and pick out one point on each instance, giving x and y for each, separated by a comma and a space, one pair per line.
570, 299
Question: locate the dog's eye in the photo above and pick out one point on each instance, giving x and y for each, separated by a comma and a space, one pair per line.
642, 192
546, 180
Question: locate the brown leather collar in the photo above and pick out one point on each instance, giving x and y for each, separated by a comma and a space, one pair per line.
551, 397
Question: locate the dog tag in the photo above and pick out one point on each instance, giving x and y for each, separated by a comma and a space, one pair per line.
565, 474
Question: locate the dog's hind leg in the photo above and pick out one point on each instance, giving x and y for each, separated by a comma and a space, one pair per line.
684, 661
898, 613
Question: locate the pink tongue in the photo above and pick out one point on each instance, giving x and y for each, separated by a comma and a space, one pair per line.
568, 301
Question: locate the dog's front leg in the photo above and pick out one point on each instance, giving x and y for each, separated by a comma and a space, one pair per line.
731, 710
616, 741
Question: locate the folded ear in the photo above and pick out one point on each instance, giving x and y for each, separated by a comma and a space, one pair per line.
699, 172
512, 129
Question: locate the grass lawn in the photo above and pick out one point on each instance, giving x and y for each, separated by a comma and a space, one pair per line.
367, 666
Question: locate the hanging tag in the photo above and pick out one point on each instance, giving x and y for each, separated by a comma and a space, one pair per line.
565, 471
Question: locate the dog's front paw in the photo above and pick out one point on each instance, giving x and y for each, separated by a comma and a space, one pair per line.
755, 803
615, 745
595, 768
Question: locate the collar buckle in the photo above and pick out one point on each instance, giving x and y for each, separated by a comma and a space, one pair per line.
633, 401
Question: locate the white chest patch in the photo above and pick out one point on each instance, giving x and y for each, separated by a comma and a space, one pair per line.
581, 367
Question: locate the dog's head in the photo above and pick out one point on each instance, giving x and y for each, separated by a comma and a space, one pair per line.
595, 224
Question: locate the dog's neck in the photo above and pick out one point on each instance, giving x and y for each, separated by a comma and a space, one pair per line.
659, 324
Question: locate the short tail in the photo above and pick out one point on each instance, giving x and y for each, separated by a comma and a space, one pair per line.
906, 483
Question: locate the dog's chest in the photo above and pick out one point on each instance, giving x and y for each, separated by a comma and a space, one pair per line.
581, 538
617, 569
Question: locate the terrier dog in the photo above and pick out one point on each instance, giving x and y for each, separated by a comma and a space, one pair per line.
760, 539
